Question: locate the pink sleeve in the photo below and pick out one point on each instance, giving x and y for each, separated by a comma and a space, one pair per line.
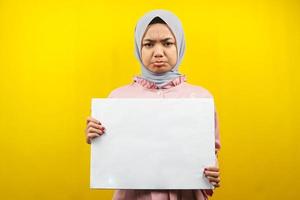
217, 133
111, 94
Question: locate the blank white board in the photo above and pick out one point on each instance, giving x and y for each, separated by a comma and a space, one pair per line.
153, 143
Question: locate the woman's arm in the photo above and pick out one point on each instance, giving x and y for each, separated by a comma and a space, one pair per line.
212, 172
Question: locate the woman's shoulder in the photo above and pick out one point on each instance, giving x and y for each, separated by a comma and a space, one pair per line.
197, 90
118, 92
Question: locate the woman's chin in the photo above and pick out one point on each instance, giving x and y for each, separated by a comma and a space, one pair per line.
160, 69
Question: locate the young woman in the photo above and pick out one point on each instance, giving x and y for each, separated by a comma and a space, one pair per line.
159, 47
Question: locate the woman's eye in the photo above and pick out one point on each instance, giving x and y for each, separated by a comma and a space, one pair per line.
168, 43
148, 44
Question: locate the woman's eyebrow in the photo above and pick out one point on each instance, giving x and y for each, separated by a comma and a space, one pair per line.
164, 40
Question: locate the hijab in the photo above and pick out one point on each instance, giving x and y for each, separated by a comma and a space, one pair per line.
175, 25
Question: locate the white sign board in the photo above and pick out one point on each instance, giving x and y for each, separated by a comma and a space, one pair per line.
153, 143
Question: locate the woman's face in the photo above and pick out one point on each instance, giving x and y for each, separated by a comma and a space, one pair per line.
159, 50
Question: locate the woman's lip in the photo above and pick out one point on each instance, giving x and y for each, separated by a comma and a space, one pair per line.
159, 63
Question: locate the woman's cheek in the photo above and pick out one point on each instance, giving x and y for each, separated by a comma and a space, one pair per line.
173, 58
172, 53
145, 58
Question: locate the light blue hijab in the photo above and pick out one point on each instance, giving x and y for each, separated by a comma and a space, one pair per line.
174, 24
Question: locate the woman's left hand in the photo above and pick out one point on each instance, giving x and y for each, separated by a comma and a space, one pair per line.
213, 175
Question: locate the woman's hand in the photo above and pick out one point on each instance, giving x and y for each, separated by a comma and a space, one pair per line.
93, 129
213, 175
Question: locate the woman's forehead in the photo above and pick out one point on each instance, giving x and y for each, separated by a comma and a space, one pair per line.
158, 32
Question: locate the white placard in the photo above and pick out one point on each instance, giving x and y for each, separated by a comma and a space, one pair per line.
153, 143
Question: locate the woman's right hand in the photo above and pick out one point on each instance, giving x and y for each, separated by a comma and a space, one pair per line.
94, 129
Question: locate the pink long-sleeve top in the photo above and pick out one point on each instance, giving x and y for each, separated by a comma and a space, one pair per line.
177, 88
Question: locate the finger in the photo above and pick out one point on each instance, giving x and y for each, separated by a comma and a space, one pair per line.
94, 130
215, 184
91, 136
91, 119
211, 173
88, 141
213, 179
94, 125
212, 168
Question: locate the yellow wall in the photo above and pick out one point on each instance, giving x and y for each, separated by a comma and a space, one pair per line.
56, 55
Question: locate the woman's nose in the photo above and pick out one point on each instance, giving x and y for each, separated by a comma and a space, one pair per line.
158, 51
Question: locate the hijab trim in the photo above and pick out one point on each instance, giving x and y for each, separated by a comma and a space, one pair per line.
152, 85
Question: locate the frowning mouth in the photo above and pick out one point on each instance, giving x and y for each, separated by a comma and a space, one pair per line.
158, 64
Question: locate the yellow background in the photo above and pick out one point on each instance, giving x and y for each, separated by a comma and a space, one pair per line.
56, 55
